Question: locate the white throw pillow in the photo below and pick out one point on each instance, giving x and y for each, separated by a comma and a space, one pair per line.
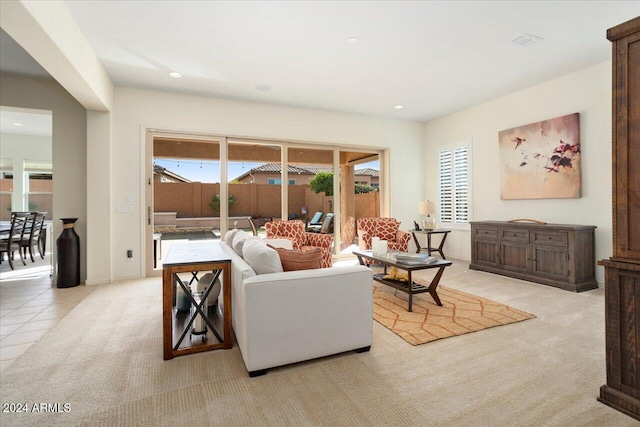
238, 241
260, 257
228, 238
279, 243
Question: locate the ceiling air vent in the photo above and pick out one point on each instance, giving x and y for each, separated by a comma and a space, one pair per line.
527, 40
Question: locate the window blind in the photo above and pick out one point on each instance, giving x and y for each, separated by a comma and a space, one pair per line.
454, 185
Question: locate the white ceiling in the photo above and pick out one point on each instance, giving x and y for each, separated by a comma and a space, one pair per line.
433, 57
23, 121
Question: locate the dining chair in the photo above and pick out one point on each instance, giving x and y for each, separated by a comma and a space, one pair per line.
31, 236
11, 244
42, 238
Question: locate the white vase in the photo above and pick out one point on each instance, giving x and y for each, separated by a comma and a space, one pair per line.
204, 282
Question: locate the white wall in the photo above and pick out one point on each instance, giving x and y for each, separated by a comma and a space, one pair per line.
99, 232
136, 108
587, 92
69, 147
20, 148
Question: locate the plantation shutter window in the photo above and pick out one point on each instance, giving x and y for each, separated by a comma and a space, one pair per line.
454, 184
446, 171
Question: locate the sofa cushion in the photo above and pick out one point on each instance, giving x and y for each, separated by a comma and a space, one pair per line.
293, 260
238, 241
228, 238
279, 243
262, 258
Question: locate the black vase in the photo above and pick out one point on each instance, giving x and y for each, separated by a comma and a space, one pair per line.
68, 250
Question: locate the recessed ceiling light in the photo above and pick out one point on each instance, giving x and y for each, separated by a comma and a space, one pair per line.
263, 88
18, 124
175, 75
353, 40
399, 107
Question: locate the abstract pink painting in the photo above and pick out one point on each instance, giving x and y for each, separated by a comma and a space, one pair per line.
541, 160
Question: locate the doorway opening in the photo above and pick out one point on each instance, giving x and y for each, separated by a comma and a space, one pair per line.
26, 185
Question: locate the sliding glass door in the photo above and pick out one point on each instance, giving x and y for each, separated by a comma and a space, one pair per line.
254, 182
190, 177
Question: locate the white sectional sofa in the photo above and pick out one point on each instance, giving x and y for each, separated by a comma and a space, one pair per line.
288, 317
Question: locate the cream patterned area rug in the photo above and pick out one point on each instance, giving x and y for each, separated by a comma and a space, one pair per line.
461, 313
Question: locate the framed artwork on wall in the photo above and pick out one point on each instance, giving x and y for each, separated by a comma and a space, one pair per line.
541, 160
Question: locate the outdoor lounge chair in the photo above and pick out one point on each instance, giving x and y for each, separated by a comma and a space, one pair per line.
315, 221
325, 228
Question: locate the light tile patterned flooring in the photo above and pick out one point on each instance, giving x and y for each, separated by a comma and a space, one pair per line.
30, 305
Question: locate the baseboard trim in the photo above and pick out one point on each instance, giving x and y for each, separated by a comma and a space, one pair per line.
94, 282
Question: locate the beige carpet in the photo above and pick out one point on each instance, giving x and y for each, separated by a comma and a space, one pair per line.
105, 360
460, 313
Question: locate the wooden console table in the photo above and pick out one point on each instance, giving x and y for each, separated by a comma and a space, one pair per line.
193, 258
429, 249
553, 254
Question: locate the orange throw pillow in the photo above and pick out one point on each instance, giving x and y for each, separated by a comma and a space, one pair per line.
293, 260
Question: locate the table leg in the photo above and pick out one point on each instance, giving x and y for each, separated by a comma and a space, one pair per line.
226, 288
415, 239
433, 286
167, 312
429, 244
444, 237
410, 292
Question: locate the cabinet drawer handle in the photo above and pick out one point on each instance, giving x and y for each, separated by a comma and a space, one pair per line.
549, 237
515, 235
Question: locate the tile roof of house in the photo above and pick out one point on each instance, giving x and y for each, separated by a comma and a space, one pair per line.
277, 168
157, 169
299, 170
368, 172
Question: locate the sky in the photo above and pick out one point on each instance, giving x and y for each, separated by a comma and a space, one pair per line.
209, 171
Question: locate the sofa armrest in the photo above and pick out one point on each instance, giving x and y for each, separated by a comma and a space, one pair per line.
403, 237
364, 240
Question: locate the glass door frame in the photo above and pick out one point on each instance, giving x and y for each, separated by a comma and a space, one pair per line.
223, 140
147, 191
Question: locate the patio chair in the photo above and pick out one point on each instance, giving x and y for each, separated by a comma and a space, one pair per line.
301, 240
325, 228
315, 221
253, 226
11, 244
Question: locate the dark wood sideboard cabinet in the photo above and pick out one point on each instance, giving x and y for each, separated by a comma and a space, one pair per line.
622, 270
553, 254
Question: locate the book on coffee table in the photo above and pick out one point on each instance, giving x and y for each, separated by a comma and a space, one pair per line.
414, 259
